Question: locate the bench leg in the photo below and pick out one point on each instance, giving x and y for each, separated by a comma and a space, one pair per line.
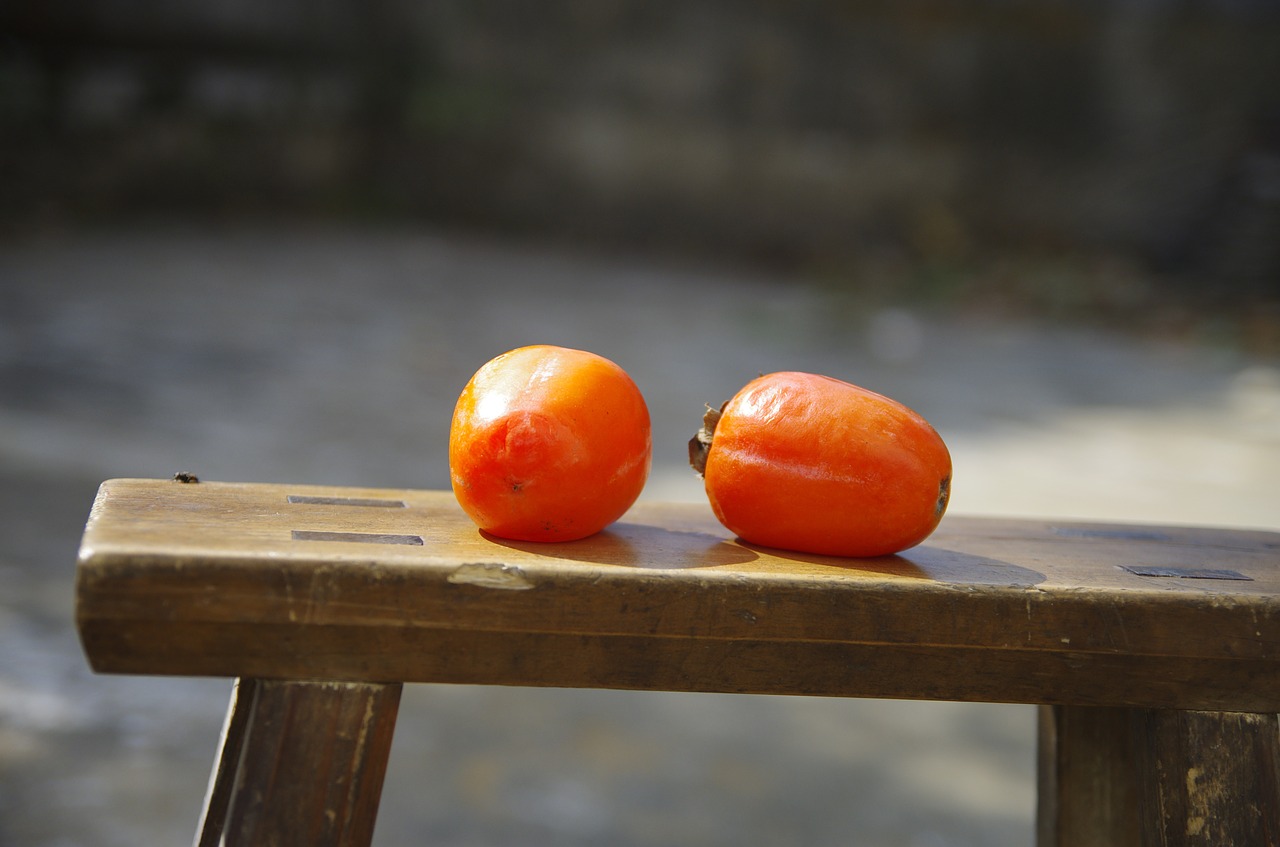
1158, 778
301, 763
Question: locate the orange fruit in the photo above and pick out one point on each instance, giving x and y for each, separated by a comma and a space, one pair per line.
549, 444
812, 464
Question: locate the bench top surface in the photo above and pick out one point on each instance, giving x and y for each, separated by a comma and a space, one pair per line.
183, 578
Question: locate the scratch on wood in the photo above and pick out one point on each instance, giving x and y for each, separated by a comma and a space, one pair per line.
288, 597
361, 742
1118, 615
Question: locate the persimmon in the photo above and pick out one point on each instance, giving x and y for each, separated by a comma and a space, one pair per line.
812, 464
549, 444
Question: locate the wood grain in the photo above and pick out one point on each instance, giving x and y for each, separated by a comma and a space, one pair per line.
1209, 779
1088, 792
302, 763
226, 767
232, 580
1112, 777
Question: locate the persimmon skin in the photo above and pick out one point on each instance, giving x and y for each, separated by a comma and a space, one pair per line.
812, 464
549, 444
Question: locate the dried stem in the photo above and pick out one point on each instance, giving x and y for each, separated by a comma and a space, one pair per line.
700, 444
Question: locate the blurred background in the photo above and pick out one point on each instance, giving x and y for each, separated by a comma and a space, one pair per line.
270, 241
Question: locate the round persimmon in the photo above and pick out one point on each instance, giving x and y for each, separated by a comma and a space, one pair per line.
549, 444
812, 464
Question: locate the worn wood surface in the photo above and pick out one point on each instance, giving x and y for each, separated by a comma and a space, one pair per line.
222, 781
301, 763
1088, 780
390, 585
1209, 779
1115, 777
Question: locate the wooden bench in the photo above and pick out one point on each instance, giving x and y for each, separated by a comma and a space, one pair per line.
1152, 650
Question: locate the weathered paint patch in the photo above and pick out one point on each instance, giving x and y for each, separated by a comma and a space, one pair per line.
491, 575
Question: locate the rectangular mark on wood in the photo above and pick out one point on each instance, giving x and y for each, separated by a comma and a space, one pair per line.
357, 537
1116, 534
1186, 573
376, 502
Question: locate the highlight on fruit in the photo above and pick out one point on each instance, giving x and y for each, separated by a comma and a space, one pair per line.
812, 464
548, 443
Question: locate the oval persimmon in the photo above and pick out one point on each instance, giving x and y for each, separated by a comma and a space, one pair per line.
812, 464
548, 444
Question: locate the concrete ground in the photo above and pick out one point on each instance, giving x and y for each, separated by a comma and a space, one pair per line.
334, 356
